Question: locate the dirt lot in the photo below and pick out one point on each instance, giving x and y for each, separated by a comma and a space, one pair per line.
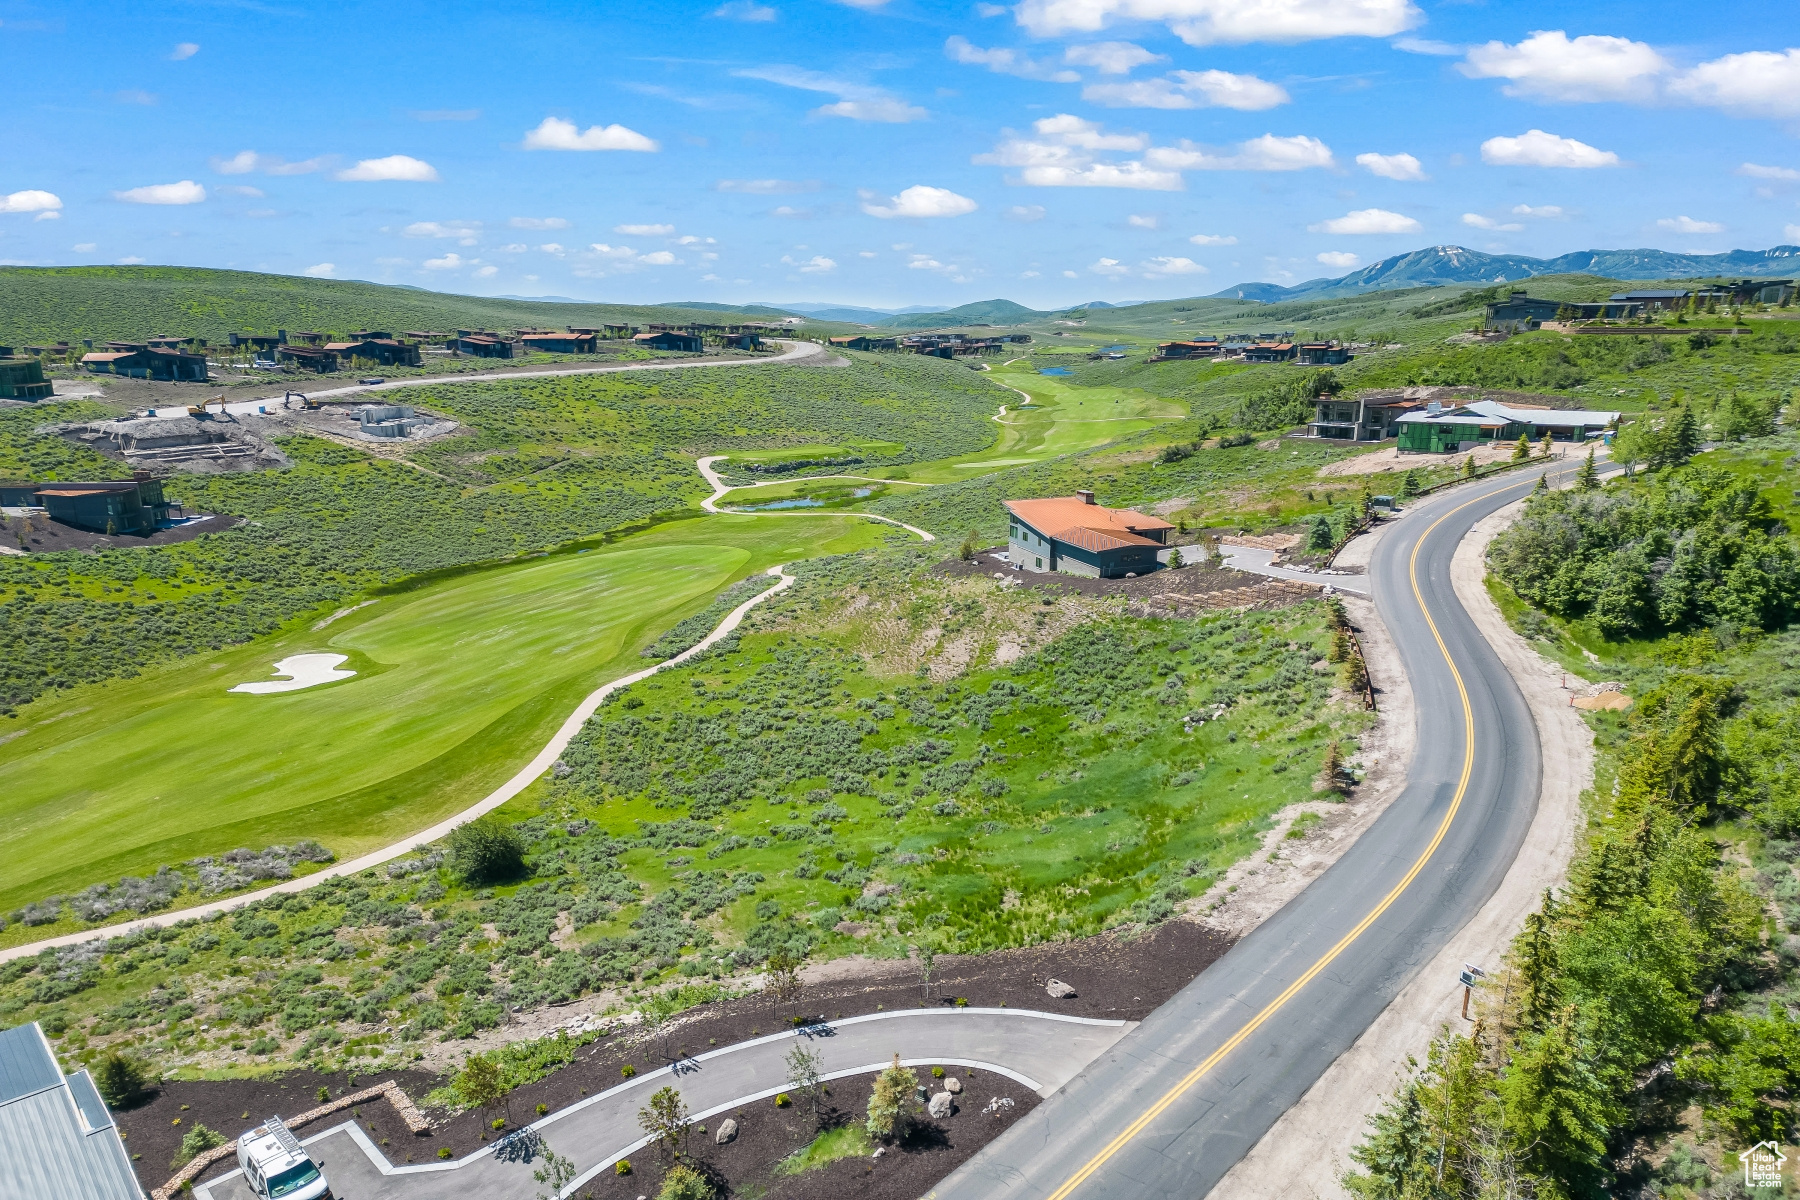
1114, 977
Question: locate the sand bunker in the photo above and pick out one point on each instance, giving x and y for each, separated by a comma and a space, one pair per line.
307, 670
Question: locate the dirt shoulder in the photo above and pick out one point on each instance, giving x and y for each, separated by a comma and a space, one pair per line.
1307, 1151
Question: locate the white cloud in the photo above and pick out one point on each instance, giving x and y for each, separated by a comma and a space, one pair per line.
1025, 212
1754, 171
919, 201
768, 187
246, 161
1535, 148
238, 189
744, 10
645, 230
1761, 83
398, 168
1266, 153
857, 102
85, 247
185, 192
1063, 155
320, 270
49, 214
658, 258
1204, 22
1070, 275
241, 163
789, 212
184, 51
1173, 266
1549, 65
990, 10
554, 133
30, 201
1003, 61
466, 232
818, 264
1413, 45
130, 260
1110, 266
1111, 58
1477, 221
690, 240
136, 96
1143, 221
555, 248
538, 222
1213, 239
1341, 259
449, 262
484, 272
1368, 220
1029, 274
1544, 212
514, 248
606, 251
1685, 224
1190, 89
1403, 167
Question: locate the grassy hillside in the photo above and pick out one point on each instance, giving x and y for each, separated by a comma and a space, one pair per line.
43, 304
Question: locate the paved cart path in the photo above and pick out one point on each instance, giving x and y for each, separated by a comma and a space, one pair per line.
1038, 1051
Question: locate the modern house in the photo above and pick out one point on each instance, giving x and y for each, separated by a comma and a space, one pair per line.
382, 350
1073, 535
1448, 430
57, 1139
148, 362
1208, 348
550, 342
863, 341
313, 358
484, 345
1269, 352
670, 339
23, 379
258, 341
1368, 416
1322, 354
113, 506
745, 340
1520, 312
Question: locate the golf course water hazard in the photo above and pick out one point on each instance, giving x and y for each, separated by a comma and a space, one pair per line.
304, 670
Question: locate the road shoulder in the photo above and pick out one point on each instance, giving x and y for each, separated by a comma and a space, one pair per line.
1307, 1151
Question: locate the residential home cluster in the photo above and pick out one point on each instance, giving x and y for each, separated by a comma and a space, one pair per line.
936, 345
1257, 348
110, 506
1520, 311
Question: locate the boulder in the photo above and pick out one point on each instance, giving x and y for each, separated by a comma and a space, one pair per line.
727, 1131
941, 1106
1059, 990
953, 1085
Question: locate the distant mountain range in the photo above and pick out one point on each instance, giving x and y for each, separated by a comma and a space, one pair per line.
1439, 265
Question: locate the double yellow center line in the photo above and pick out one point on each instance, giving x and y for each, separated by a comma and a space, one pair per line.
1237, 1039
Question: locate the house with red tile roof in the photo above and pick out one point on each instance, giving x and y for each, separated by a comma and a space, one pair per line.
1074, 535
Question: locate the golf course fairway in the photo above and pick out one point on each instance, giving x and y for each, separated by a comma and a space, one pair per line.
458, 683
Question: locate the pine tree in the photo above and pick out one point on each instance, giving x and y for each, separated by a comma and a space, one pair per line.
1684, 435
1536, 949
1588, 480
1176, 562
1543, 483
1544, 445
1332, 775
1522, 451
1469, 467
1409, 484
893, 1103
1320, 537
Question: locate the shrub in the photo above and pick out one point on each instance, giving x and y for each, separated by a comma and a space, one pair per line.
119, 1079
684, 1183
486, 851
324, 1095
542, 1109
622, 1167
443, 1152
497, 1124
894, 1102
628, 1070
782, 1101
195, 1142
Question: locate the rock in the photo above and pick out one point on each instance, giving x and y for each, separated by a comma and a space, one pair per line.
1059, 990
953, 1085
942, 1105
879, 1151
727, 1132
851, 928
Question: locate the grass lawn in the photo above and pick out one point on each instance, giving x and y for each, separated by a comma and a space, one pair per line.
845, 1141
457, 684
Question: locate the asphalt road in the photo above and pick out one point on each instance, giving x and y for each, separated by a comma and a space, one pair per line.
1036, 1050
1174, 1104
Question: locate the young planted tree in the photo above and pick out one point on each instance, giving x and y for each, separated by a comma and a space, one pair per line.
1522, 451
1544, 445
480, 1084
1175, 559
803, 1074
556, 1174
968, 547
119, 1079
783, 973
665, 1119
1320, 537
1588, 479
1333, 777
1469, 467
894, 1102
1409, 484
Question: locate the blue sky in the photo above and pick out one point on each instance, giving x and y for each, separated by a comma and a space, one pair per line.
888, 153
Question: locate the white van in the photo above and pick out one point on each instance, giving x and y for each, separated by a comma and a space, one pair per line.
276, 1167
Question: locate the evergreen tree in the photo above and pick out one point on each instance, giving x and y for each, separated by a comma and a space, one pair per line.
1535, 951
1469, 467
1543, 483
1522, 451
1320, 537
1544, 445
894, 1102
1588, 480
1684, 435
1409, 484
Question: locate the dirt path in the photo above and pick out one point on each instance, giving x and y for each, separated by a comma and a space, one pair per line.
1306, 1152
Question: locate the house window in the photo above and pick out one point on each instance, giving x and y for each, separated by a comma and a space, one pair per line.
1040, 562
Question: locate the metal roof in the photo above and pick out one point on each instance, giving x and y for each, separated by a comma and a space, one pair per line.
57, 1141
1494, 410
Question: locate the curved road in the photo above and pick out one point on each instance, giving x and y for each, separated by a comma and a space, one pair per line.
1174, 1104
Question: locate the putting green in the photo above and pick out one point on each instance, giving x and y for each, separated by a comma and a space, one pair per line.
458, 683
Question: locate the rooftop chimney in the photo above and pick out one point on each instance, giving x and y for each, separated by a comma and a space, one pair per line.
1087, 497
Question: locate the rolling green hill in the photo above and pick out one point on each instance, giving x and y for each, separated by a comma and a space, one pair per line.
43, 304
982, 312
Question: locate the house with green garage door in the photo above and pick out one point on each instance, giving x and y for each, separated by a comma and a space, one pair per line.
1073, 535
1444, 429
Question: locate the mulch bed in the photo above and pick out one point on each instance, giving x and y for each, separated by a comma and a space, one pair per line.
47, 536
1114, 977
1186, 581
